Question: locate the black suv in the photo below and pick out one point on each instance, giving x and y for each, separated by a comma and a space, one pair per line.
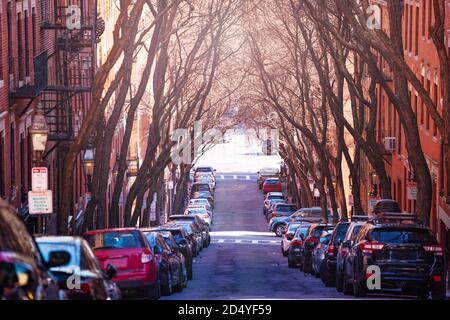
406, 253
328, 267
311, 241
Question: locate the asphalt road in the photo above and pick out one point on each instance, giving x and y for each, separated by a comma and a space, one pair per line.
244, 260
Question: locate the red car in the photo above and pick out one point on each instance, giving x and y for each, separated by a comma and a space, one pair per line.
272, 185
129, 252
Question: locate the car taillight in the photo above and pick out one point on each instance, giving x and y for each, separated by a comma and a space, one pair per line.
344, 251
437, 250
86, 288
330, 250
146, 257
437, 278
274, 215
296, 243
369, 247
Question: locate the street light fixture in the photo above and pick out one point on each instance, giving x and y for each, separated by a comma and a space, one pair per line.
39, 130
88, 162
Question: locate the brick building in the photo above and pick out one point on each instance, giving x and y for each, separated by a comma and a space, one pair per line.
421, 56
45, 59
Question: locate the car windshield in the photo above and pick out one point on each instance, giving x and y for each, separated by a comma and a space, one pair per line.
293, 227
275, 197
403, 235
319, 230
301, 230
272, 181
200, 187
204, 169
268, 172
48, 247
285, 208
114, 240
341, 230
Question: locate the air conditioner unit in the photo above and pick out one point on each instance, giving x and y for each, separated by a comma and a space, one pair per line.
390, 143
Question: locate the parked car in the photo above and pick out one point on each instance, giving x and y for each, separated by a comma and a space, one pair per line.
386, 205
93, 283
201, 225
24, 273
271, 196
171, 276
197, 232
343, 249
182, 240
128, 250
282, 210
270, 204
204, 195
200, 211
203, 202
206, 169
295, 251
288, 235
201, 187
408, 255
189, 231
328, 268
311, 241
209, 179
272, 185
318, 253
302, 215
265, 173
178, 251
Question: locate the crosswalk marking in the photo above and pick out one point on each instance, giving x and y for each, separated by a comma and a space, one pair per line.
246, 241
247, 177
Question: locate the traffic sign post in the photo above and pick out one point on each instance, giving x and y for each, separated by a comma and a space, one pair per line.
40, 202
39, 179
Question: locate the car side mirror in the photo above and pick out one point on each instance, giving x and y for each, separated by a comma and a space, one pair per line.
111, 271
58, 258
157, 250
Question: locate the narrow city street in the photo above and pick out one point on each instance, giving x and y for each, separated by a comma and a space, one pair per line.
244, 260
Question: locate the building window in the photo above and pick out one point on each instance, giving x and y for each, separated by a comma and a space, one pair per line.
399, 138
427, 119
2, 164
410, 30
430, 15
436, 101
19, 46
416, 33
33, 30
12, 154
10, 45
22, 161
406, 25
27, 47
424, 12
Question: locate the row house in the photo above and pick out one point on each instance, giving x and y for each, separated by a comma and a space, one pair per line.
421, 56
47, 61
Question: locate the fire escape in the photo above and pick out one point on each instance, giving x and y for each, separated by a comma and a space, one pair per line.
67, 95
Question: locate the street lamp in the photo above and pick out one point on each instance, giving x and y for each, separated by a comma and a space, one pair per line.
39, 130
88, 164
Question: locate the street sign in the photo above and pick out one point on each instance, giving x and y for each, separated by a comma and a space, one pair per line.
40, 202
153, 208
39, 179
170, 184
411, 189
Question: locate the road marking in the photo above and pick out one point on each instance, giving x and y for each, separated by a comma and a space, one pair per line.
234, 176
242, 241
238, 241
222, 177
254, 241
247, 177
220, 241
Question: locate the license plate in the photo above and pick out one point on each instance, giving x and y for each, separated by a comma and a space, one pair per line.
118, 263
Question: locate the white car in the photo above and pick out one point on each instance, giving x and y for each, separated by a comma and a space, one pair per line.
201, 202
200, 211
288, 236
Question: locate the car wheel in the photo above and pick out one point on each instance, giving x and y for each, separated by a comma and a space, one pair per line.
338, 281
346, 286
179, 287
307, 265
423, 294
190, 274
279, 230
155, 290
438, 293
166, 289
359, 288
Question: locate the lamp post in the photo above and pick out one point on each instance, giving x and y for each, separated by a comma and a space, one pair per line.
88, 164
375, 182
39, 132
